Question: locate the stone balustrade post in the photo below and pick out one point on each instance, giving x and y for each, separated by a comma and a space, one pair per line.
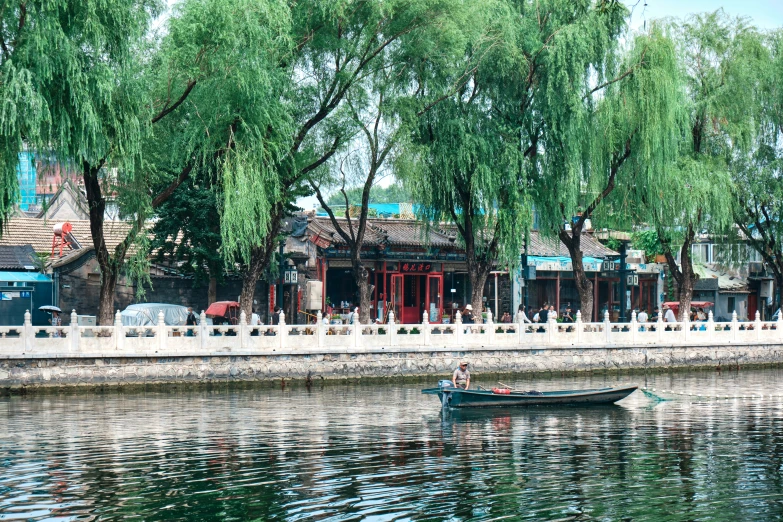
580, 329
521, 326
686, 326
460, 333
202, 329
489, 328
551, 329
607, 328
734, 326
119, 332
356, 330
281, 330
710, 326
27, 332
244, 335
779, 324
161, 333
757, 325
74, 332
634, 328
320, 331
392, 329
659, 326
425, 328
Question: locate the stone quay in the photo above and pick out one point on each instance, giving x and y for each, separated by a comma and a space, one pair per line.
46, 356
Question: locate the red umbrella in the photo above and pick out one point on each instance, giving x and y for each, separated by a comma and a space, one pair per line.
675, 305
222, 308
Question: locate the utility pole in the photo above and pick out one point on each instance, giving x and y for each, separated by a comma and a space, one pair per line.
622, 271
281, 274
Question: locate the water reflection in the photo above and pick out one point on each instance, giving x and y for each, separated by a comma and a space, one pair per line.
389, 453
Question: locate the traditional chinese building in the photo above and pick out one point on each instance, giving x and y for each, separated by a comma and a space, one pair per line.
416, 268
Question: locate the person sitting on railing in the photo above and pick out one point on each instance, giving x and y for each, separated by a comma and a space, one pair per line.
668, 317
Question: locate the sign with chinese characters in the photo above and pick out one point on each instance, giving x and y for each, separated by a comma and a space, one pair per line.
415, 267
291, 276
632, 280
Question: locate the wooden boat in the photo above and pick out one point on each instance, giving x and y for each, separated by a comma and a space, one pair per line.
457, 398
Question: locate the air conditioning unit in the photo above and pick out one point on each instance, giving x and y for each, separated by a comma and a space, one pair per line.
313, 298
765, 289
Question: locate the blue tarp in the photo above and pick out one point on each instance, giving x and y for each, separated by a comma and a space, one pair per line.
24, 277
563, 263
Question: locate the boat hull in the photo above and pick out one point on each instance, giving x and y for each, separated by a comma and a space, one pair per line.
456, 398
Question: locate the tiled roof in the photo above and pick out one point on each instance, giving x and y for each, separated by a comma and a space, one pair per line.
410, 232
17, 257
39, 233
552, 246
394, 232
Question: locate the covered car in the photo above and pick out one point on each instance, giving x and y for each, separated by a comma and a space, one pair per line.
146, 314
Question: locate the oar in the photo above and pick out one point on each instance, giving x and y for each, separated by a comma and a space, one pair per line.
509, 387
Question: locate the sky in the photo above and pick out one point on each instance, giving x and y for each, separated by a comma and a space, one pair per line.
764, 14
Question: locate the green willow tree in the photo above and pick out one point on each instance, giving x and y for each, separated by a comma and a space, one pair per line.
625, 135
71, 84
220, 75
382, 109
720, 59
335, 45
586, 114
758, 177
469, 175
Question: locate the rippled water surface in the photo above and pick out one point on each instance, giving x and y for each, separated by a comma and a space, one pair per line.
387, 453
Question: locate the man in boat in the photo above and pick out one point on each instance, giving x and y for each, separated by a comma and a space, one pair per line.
461, 377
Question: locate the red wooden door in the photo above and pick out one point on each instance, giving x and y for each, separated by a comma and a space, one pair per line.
434, 298
396, 296
753, 305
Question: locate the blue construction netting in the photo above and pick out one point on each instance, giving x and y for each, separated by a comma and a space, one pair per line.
26, 175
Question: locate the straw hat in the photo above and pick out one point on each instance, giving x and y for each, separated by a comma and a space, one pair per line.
468, 307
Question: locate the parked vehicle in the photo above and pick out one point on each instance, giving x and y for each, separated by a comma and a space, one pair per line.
146, 314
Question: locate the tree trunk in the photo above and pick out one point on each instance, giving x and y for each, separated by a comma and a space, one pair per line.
684, 275
110, 268
584, 286
687, 280
250, 276
478, 271
478, 279
212, 291
776, 305
362, 278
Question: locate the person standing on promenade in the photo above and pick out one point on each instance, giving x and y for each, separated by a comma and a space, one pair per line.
521, 310
461, 377
668, 315
56, 320
190, 321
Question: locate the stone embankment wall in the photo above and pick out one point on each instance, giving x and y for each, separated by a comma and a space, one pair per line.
31, 371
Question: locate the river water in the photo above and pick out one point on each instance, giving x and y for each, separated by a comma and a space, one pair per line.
387, 452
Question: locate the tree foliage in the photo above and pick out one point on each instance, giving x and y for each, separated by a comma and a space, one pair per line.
758, 176
69, 83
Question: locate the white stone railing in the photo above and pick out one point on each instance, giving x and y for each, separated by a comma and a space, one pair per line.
157, 340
